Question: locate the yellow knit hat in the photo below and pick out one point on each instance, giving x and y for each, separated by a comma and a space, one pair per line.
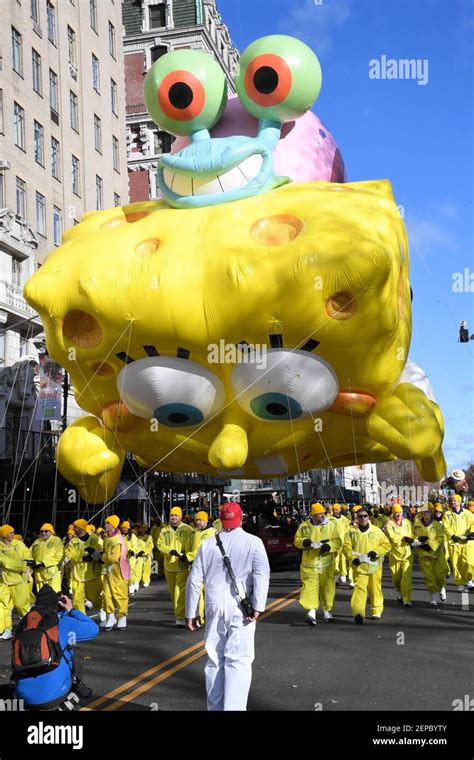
48, 526
5, 530
90, 528
457, 497
202, 516
99, 530
113, 520
397, 508
125, 524
336, 506
17, 537
176, 511
317, 509
356, 508
82, 524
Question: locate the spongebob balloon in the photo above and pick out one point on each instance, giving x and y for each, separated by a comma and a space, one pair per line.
249, 324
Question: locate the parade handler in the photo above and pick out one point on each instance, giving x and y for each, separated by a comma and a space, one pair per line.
320, 539
365, 547
232, 607
116, 575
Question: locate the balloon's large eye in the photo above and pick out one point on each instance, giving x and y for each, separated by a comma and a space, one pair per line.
185, 91
293, 384
176, 392
278, 78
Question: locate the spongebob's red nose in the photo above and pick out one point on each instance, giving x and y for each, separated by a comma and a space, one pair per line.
353, 403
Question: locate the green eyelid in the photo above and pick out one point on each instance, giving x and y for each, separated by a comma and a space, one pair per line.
185, 91
278, 78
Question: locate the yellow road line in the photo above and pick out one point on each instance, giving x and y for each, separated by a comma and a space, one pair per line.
275, 606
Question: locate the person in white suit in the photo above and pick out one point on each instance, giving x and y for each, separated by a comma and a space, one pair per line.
229, 631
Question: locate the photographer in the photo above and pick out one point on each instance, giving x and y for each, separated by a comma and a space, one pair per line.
44, 670
234, 568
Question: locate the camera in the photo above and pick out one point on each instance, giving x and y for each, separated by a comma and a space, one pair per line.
247, 607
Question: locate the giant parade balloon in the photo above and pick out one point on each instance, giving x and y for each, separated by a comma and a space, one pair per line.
256, 321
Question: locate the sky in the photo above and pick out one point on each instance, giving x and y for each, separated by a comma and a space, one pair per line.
420, 137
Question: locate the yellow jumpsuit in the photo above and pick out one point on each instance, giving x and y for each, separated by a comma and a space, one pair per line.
400, 559
85, 581
114, 585
367, 576
158, 557
147, 547
461, 554
432, 563
131, 542
317, 570
176, 571
14, 589
340, 565
194, 542
51, 553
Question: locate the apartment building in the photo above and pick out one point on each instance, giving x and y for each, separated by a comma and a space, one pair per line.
62, 137
153, 28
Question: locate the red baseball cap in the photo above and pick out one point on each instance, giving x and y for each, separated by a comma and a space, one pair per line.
231, 515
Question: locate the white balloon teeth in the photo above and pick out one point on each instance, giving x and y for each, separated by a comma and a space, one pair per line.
237, 177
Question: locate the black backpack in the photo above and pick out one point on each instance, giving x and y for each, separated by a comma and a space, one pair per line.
35, 645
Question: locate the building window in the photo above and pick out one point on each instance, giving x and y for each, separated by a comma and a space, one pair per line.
163, 142
55, 158
74, 110
39, 142
21, 197
95, 73
157, 15
97, 134
2, 189
112, 39
99, 192
53, 91
41, 214
157, 51
51, 11
93, 12
19, 114
36, 64
35, 10
113, 97
71, 45
57, 225
75, 176
16, 272
116, 199
17, 62
115, 153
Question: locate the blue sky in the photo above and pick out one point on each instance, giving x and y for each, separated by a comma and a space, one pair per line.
420, 137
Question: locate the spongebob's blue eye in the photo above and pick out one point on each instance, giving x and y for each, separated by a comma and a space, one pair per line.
178, 415
275, 406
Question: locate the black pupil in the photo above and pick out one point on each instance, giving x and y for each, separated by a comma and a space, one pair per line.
265, 80
180, 95
276, 409
178, 417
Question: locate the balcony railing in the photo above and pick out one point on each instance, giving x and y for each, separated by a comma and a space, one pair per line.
22, 446
12, 295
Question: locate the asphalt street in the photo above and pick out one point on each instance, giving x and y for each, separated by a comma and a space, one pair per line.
417, 658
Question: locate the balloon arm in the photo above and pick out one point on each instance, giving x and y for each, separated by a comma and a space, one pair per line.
410, 426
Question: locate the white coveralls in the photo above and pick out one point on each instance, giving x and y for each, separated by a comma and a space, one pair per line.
229, 639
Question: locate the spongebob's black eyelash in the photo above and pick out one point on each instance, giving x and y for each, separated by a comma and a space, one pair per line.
276, 341
181, 353
310, 345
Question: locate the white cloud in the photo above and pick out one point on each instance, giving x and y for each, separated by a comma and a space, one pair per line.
425, 234
315, 23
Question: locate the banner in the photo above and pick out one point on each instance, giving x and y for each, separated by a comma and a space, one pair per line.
51, 377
